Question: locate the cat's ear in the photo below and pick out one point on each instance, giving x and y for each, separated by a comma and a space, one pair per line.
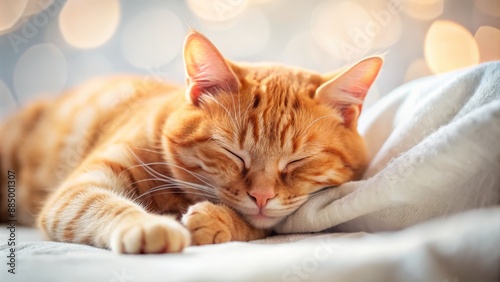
347, 90
206, 69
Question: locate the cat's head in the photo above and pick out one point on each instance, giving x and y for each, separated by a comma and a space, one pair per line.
264, 137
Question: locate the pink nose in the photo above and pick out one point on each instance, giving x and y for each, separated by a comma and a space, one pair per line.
261, 197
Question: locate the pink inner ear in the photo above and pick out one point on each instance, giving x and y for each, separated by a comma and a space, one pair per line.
207, 71
349, 88
194, 93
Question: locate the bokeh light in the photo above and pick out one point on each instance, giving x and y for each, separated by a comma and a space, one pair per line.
321, 35
89, 23
216, 10
10, 12
349, 30
251, 30
88, 66
339, 29
423, 9
35, 6
385, 26
41, 70
449, 46
490, 7
7, 102
488, 41
301, 51
152, 38
389, 34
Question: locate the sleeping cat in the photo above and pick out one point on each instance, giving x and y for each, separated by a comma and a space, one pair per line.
142, 166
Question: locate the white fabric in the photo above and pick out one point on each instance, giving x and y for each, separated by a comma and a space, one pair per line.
457, 249
435, 149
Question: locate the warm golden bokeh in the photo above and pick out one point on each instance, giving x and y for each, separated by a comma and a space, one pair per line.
449, 46
338, 28
10, 12
89, 23
152, 38
490, 7
349, 30
41, 70
36, 6
488, 41
322, 35
389, 34
423, 9
254, 25
216, 10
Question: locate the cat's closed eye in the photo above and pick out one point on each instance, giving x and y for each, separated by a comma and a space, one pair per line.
294, 164
236, 156
296, 161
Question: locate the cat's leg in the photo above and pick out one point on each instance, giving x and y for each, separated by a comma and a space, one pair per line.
211, 223
92, 208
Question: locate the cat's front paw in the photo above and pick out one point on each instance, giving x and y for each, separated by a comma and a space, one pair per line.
150, 234
208, 224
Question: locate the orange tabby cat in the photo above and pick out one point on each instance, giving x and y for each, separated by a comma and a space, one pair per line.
115, 161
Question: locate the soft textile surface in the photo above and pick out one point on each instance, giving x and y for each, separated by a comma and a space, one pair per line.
435, 152
460, 248
435, 148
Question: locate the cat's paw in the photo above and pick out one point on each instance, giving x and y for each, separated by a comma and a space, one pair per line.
150, 234
208, 224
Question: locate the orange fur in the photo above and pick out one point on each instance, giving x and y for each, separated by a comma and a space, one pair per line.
114, 162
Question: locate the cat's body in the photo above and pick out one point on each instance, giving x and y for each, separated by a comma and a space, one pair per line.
114, 162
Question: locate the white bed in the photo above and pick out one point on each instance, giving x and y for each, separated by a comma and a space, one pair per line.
427, 209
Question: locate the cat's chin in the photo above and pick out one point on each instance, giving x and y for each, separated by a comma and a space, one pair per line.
262, 221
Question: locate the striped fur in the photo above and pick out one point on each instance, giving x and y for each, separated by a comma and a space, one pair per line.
117, 162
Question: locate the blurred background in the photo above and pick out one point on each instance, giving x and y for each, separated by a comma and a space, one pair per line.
49, 45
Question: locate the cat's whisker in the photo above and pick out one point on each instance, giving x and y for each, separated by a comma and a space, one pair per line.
234, 111
183, 192
245, 115
167, 191
304, 132
143, 165
181, 185
188, 185
159, 147
196, 175
149, 170
151, 151
145, 180
161, 152
238, 116
211, 97
175, 183
139, 181
178, 182
184, 157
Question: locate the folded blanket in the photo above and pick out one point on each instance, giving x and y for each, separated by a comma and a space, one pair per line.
435, 151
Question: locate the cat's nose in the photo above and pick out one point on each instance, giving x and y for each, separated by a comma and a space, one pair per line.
261, 197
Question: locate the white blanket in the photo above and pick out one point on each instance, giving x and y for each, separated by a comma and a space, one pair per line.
435, 149
457, 249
